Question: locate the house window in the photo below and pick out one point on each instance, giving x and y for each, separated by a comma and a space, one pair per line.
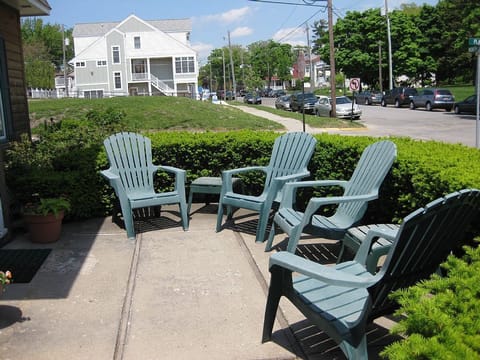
136, 42
184, 64
117, 78
80, 64
116, 54
101, 63
93, 94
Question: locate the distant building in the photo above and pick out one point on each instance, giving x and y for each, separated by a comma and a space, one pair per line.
134, 57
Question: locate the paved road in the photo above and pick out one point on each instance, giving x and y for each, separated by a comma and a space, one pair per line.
418, 124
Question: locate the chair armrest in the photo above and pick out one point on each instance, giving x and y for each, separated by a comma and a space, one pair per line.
227, 176
327, 274
109, 175
290, 189
372, 236
180, 175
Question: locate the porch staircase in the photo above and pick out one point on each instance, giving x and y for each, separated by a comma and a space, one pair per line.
160, 85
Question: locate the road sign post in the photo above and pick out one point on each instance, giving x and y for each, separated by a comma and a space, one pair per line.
354, 86
474, 46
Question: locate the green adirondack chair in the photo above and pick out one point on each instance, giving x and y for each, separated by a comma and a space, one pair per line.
131, 176
363, 186
343, 299
289, 160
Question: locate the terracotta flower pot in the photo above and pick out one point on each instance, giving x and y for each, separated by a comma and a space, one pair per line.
44, 228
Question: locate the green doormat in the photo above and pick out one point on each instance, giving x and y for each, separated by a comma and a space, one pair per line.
22, 263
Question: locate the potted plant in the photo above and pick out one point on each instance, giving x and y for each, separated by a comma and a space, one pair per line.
44, 218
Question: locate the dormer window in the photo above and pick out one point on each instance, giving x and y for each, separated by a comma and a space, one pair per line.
136, 42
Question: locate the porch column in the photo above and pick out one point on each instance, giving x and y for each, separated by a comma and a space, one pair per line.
149, 78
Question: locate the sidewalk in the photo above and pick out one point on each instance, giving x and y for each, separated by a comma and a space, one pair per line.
168, 295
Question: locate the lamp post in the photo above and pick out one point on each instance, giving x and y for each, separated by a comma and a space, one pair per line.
389, 37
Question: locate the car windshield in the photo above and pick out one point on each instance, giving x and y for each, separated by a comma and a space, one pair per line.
343, 100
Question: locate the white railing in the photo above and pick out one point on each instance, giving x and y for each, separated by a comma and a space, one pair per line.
160, 85
139, 76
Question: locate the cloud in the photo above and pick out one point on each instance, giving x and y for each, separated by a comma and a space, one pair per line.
228, 17
292, 36
202, 49
241, 31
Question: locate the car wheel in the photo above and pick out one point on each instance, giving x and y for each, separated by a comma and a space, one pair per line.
428, 106
397, 103
383, 103
412, 105
456, 109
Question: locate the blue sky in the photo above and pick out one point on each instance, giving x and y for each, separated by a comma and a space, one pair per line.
247, 21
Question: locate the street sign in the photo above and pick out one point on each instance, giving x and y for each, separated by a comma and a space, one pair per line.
355, 84
473, 44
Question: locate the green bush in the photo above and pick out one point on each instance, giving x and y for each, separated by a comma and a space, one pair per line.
441, 316
66, 162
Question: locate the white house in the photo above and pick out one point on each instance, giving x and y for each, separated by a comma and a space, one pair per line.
134, 57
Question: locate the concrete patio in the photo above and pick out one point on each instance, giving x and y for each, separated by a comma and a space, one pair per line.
168, 295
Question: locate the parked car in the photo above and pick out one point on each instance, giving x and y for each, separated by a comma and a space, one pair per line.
303, 101
467, 106
433, 99
345, 108
283, 102
277, 93
368, 97
252, 98
398, 96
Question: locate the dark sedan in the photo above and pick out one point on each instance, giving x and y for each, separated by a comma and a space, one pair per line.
252, 98
467, 106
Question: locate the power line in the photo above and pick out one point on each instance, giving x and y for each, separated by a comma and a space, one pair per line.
302, 24
291, 2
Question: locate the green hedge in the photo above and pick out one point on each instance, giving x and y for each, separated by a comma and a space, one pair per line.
67, 160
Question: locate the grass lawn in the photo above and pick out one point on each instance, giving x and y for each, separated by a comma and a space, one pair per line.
169, 113
153, 113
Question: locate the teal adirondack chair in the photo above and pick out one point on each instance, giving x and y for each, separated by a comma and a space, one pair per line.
342, 300
289, 160
131, 176
363, 186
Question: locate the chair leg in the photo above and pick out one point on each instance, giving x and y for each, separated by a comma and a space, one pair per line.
273, 299
271, 236
219, 216
355, 353
127, 217
293, 239
190, 199
184, 211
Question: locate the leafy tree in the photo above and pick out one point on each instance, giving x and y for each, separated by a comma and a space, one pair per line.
269, 58
43, 49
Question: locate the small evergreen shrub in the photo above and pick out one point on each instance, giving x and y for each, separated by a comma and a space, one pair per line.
441, 316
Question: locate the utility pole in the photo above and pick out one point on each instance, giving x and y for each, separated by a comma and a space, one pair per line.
233, 67
333, 90
380, 80
312, 77
390, 66
224, 82
65, 77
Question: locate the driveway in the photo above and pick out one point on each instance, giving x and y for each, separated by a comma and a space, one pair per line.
436, 125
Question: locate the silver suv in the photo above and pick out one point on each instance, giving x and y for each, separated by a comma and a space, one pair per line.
433, 99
